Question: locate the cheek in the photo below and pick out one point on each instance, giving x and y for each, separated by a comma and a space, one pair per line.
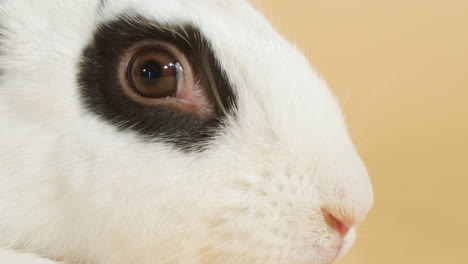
273, 221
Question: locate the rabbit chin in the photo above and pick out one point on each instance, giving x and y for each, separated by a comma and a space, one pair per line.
229, 251
215, 241
208, 253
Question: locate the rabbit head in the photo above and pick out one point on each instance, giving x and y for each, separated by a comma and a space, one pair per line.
156, 131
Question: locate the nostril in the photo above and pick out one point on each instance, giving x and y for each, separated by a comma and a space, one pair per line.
335, 223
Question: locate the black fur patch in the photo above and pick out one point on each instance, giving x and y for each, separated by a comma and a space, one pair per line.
102, 94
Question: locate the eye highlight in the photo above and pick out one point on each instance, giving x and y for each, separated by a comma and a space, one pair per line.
154, 73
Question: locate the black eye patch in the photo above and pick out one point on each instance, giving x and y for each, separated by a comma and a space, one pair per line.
102, 94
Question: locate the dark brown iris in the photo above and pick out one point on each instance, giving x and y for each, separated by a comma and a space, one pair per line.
153, 73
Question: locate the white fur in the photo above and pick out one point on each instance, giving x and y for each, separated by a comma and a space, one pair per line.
12, 257
74, 189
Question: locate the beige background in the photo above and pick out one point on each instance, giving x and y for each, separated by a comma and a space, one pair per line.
400, 67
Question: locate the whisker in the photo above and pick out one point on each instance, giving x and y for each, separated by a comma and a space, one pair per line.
346, 97
152, 241
236, 257
360, 144
213, 86
184, 252
369, 100
211, 250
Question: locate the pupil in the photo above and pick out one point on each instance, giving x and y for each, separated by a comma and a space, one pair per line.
150, 72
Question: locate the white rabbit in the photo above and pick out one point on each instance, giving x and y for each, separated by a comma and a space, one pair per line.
157, 131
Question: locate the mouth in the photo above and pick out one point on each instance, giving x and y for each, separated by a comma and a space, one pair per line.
342, 244
336, 249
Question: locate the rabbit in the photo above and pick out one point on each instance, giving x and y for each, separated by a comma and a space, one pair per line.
157, 131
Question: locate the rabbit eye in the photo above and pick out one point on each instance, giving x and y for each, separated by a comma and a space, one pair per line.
157, 74
154, 73
161, 81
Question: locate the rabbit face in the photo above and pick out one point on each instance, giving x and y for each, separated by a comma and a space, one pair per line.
241, 157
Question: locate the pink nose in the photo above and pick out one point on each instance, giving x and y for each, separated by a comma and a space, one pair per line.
341, 226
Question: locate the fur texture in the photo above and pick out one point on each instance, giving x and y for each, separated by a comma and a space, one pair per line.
76, 189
